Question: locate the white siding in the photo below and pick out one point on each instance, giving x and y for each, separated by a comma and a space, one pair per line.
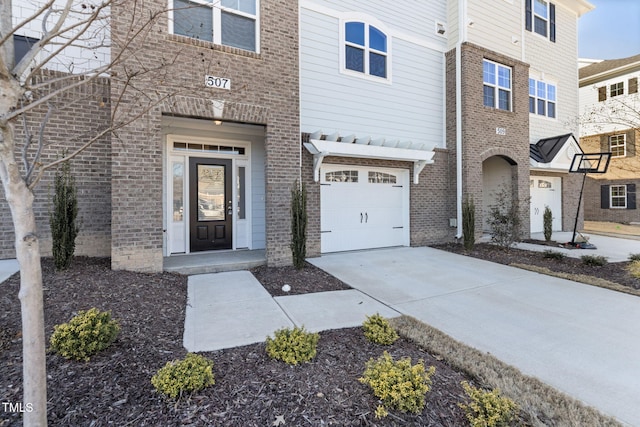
76, 59
556, 63
495, 25
409, 107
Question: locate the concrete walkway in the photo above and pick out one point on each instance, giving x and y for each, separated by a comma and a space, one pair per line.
8, 267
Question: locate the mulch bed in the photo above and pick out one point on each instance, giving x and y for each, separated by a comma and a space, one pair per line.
614, 271
251, 390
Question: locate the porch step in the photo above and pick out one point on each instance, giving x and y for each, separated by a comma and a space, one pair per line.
215, 262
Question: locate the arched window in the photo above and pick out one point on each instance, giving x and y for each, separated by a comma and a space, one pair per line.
365, 49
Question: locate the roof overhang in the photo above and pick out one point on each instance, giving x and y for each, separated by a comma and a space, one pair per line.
321, 149
561, 157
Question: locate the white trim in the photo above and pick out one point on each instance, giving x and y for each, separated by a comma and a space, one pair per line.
618, 197
320, 149
624, 145
368, 21
496, 86
391, 32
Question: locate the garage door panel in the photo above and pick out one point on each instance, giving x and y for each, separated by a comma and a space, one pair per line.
369, 213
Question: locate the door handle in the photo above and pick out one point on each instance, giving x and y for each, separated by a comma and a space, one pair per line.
366, 217
360, 217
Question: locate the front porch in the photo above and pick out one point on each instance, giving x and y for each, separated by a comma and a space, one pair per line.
214, 261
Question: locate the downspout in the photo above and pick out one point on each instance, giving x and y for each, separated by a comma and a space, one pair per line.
462, 35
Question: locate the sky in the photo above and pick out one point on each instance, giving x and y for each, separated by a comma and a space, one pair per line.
610, 31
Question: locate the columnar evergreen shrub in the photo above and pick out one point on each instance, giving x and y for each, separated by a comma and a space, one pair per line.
292, 346
378, 330
63, 218
299, 224
547, 219
398, 384
85, 334
488, 408
468, 223
193, 373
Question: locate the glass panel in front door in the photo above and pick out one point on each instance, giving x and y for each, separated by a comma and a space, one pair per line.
211, 206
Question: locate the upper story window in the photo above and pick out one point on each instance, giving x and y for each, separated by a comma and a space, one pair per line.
616, 89
618, 145
365, 49
227, 22
540, 17
497, 85
542, 98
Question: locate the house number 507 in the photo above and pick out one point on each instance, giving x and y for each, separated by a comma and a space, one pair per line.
217, 82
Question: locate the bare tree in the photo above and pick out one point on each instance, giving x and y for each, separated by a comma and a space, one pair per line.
619, 112
48, 77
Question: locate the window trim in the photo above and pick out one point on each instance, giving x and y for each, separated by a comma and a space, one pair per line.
623, 144
216, 10
546, 100
368, 21
617, 197
619, 89
550, 20
496, 86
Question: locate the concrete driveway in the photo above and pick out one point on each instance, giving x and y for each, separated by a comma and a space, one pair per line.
577, 338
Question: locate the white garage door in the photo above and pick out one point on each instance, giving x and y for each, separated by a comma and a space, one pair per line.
363, 207
546, 191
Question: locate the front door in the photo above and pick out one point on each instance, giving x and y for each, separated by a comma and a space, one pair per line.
210, 198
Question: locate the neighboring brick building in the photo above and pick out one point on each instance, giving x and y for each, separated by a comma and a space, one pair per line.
609, 107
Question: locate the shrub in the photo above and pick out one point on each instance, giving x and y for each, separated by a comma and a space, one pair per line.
488, 408
292, 346
634, 257
398, 384
468, 223
378, 330
551, 254
62, 220
634, 269
190, 374
299, 224
85, 334
594, 260
504, 219
547, 220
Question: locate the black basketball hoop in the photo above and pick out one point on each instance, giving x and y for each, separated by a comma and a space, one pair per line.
585, 163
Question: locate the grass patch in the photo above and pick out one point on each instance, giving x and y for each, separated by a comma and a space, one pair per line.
540, 404
581, 278
634, 269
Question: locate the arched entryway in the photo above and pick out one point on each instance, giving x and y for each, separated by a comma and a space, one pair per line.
498, 172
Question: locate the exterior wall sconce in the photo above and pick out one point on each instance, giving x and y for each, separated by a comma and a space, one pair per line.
440, 28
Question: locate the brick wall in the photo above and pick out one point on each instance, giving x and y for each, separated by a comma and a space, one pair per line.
77, 116
480, 140
264, 91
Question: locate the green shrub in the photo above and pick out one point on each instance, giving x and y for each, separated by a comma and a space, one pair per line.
398, 384
468, 223
504, 218
292, 346
378, 330
86, 334
488, 408
551, 254
298, 224
190, 374
634, 269
547, 220
634, 257
62, 220
594, 260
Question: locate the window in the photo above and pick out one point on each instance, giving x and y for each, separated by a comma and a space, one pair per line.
540, 17
497, 85
542, 98
342, 176
381, 178
21, 45
365, 49
618, 145
227, 22
616, 89
618, 196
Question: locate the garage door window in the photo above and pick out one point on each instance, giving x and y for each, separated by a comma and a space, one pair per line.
342, 176
381, 178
